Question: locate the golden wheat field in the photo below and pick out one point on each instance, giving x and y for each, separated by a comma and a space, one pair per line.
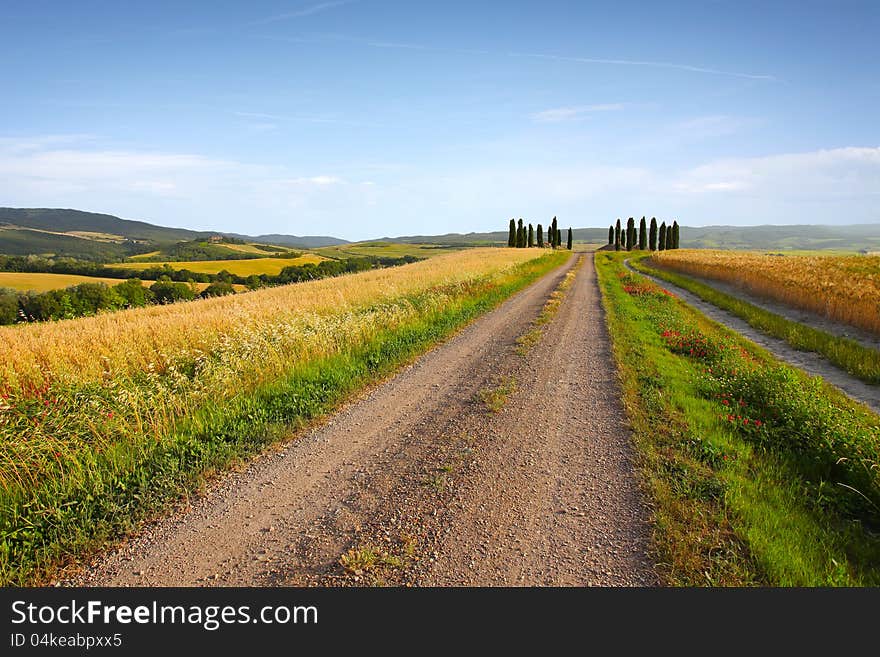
39, 282
150, 338
271, 266
89, 383
842, 288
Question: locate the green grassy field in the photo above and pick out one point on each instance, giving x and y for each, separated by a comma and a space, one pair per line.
384, 250
271, 266
849, 355
759, 475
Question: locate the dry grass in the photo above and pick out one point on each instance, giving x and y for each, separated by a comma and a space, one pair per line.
842, 288
292, 320
271, 266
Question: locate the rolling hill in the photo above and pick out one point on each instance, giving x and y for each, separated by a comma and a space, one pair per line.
92, 235
857, 237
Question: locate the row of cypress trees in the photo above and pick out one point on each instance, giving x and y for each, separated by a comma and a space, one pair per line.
666, 237
520, 236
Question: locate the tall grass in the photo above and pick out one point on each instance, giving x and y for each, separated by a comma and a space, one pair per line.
842, 288
105, 419
860, 361
758, 473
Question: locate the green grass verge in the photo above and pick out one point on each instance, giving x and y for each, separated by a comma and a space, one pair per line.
65, 518
759, 475
862, 362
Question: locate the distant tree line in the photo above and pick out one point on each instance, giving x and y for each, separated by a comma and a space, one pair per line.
629, 238
521, 236
92, 298
292, 273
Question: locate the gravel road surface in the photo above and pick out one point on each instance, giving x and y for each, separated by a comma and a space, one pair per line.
420, 483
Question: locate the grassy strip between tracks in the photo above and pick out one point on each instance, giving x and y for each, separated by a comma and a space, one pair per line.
759, 475
96, 494
861, 362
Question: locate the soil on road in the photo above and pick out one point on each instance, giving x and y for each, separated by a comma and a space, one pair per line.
419, 482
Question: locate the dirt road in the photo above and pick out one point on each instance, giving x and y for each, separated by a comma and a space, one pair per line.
419, 482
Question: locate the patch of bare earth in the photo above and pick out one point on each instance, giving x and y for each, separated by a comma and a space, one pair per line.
483, 463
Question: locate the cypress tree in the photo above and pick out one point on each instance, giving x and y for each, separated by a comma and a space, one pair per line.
652, 238
540, 236
511, 236
569, 238
661, 242
630, 234
611, 234
520, 236
555, 239
531, 236
617, 236
669, 238
674, 234
643, 235
558, 237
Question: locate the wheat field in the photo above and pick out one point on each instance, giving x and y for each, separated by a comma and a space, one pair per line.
270, 266
842, 288
40, 282
88, 383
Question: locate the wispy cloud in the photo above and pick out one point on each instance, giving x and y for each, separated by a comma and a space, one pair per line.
655, 64
321, 181
559, 114
396, 45
378, 43
303, 12
823, 174
169, 187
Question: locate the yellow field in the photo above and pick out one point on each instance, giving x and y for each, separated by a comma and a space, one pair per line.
251, 248
45, 282
266, 328
144, 255
271, 266
24, 282
385, 250
843, 288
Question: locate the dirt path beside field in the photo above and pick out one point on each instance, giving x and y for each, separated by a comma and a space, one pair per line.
418, 482
820, 322
810, 362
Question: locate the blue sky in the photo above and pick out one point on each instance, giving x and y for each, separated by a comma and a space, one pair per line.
370, 117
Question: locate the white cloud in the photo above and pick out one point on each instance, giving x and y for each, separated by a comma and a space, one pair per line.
823, 174
364, 201
321, 181
169, 188
569, 113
